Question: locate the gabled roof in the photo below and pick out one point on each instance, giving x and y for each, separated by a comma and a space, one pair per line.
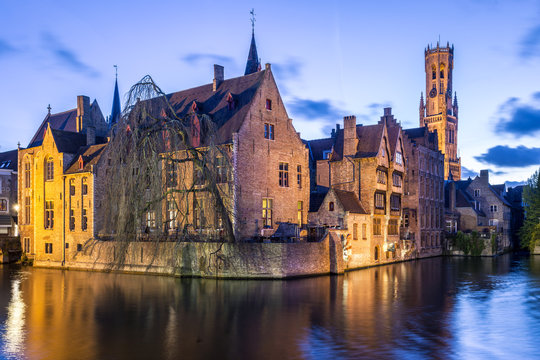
90, 155
393, 136
369, 140
66, 121
70, 142
349, 201
316, 199
8, 160
215, 104
252, 64
319, 146
498, 194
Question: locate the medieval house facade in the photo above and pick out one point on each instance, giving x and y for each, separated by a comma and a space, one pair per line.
8, 194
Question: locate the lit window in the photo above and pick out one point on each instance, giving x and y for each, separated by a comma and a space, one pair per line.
151, 219
299, 176
300, 206
267, 212
3, 205
221, 168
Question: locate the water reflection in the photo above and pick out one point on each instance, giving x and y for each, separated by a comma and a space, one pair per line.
435, 308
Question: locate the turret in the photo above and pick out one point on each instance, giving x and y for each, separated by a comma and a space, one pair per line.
422, 109
455, 106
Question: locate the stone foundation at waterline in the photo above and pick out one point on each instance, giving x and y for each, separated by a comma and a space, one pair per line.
219, 260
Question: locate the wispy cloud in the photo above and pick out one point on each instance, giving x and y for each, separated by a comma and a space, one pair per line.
502, 155
514, 183
519, 118
6, 48
289, 70
530, 43
467, 173
321, 112
197, 58
66, 56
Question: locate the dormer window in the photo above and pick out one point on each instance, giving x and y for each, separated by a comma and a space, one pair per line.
194, 107
230, 102
268, 104
399, 158
326, 154
81, 163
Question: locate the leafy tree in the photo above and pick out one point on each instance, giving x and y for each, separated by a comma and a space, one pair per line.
530, 232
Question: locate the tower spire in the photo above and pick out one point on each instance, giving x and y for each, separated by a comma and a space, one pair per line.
115, 112
253, 64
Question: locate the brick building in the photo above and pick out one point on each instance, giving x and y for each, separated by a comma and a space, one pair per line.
364, 163
56, 184
8, 194
439, 112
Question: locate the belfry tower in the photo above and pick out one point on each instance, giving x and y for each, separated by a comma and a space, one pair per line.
439, 112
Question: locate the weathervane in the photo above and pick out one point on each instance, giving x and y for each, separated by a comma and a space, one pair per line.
252, 12
49, 109
116, 70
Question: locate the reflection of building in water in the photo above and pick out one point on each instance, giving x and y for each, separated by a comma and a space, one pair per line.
13, 336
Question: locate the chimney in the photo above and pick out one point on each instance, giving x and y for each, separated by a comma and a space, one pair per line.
218, 76
83, 113
452, 196
484, 175
350, 141
90, 135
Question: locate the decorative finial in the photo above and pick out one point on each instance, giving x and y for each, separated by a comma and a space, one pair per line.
49, 109
252, 12
116, 70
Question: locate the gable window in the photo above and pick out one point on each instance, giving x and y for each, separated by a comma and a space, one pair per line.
269, 131
267, 212
268, 104
380, 200
49, 214
377, 227
299, 176
395, 202
331, 206
27, 174
476, 192
283, 174
381, 176
399, 158
49, 169
392, 227
397, 179
493, 208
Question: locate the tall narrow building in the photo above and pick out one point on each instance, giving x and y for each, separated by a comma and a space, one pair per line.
439, 112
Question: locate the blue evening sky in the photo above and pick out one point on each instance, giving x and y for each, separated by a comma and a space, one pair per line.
330, 59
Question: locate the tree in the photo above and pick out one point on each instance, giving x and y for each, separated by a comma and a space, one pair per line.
530, 231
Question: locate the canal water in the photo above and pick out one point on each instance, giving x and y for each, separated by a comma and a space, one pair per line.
434, 308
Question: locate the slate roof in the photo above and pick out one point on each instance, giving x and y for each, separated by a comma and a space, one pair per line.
316, 199
252, 64
415, 132
66, 121
349, 201
393, 134
318, 146
90, 155
8, 160
214, 103
369, 140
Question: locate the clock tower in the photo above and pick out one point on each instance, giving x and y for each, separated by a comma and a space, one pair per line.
439, 112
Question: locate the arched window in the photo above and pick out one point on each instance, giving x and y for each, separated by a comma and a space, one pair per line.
441, 70
433, 72
49, 169
331, 206
376, 254
355, 231
84, 186
27, 174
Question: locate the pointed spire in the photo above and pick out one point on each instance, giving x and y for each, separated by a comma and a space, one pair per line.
115, 112
421, 100
253, 64
455, 99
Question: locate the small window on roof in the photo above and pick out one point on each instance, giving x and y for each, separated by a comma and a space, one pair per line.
268, 104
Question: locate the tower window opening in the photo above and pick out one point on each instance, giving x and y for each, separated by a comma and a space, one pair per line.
433, 72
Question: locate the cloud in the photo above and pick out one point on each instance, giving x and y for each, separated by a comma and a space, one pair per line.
502, 155
319, 109
289, 70
530, 44
197, 58
518, 118
66, 56
510, 184
467, 173
5, 48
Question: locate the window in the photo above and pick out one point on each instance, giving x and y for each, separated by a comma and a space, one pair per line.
84, 187
221, 168
26, 245
79, 247
283, 174
151, 219
27, 181
376, 254
441, 73
84, 220
48, 248
399, 158
300, 207
326, 154
268, 104
49, 214
299, 176
380, 200
72, 187
331, 206
199, 220
269, 131
397, 179
381, 176
476, 192
171, 175
392, 227
377, 227
433, 72
493, 208
493, 222
3, 205
395, 202
198, 179
27, 210
71, 220
406, 220
49, 170
267, 212
364, 231
172, 212
355, 231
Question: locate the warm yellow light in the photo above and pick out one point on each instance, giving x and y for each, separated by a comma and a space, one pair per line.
16, 207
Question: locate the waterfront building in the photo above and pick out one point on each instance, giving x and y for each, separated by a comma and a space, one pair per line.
363, 169
439, 112
476, 205
56, 184
8, 194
